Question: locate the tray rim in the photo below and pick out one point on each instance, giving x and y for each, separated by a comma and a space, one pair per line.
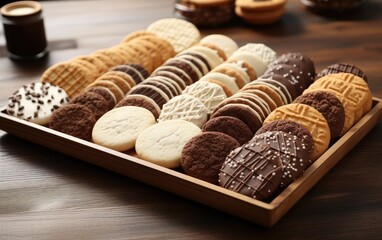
266, 214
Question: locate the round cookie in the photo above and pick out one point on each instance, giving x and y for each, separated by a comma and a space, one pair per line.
295, 157
162, 143
208, 93
170, 71
204, 154
256, 62
180, 33
243, 112
36, 102
227, 44
301, 61
261, 50
75, 120
342, 68
118, 94
131, 71
152, 92
310, 118
95, 102
106, 94
291, 127
140, 101
228, 81
252, 170
231, 126
119, 128
329, 106
273, 94
185, 66
185, 107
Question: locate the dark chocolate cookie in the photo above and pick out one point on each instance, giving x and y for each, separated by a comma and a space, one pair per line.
204, 154
94, 101
140, 101
242, 112
105, 93
253, 170
74, 119
342, 68
290, 127
231, 126
294, 156
329, 106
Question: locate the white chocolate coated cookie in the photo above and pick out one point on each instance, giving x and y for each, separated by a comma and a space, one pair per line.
208, 93
36, 102
184, 107
119, 128
227, 44
163, 142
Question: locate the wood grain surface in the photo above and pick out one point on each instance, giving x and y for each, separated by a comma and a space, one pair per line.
48, 195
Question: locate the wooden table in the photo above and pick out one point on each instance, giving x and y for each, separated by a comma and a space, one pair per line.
48, 195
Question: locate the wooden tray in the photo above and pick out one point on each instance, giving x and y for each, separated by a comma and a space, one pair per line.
266, 214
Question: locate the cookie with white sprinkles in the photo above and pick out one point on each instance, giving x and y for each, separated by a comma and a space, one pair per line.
36, 102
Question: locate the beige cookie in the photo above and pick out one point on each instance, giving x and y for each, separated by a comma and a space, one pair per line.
209, 93
229, 81
180, 33
256, 63
209, 54
185, 107
310, 118
227, 44
261, 50
119, 128
163, 142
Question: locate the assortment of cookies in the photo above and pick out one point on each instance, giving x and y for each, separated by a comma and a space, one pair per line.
240, 117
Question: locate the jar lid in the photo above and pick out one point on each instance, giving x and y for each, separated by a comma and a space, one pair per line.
20, 9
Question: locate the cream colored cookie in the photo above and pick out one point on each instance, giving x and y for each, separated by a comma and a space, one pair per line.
262, 51
184, 107
208, 93
259, 65
229, 81
227, 44
211, 56
119, 128
180, 33
236, 68
310, 118
163, 142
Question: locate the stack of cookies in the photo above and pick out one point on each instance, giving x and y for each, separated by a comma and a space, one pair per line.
260, 12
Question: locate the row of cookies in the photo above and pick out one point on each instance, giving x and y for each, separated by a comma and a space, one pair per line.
295, 135
148, 50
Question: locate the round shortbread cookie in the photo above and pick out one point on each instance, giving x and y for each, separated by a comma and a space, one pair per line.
227, 44
208, 93
163, 142
36, 102
261, 50
119, 128
185, 107
310, 118
180, 33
